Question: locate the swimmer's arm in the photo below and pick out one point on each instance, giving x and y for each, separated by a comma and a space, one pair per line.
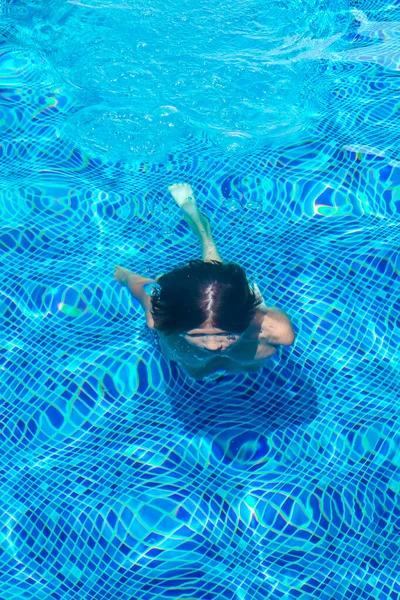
135, 284
277, 328
274, 310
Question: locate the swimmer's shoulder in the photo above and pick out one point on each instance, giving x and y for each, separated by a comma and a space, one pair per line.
275, 327
149, 317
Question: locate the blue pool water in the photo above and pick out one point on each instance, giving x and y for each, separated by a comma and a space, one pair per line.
122, 478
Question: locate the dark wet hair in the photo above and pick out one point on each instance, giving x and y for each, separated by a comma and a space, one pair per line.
199, 292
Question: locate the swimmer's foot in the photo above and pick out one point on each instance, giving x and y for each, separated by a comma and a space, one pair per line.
198, 223
182, 193
184, 197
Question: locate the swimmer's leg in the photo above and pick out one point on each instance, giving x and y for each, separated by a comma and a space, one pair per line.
197, 222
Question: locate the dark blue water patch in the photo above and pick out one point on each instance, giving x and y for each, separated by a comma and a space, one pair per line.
385, 173
226, 186
10, 240
142, 374
327, 197
70, 391
110, 392
88, 393
244, 447
55, 417
155, 374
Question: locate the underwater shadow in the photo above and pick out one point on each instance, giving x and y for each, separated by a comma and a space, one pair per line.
261, 402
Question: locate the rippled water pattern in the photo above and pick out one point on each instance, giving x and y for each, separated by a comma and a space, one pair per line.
122, 478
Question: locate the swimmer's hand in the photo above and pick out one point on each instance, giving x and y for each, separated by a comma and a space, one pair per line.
121, 274
182, 193
132, 280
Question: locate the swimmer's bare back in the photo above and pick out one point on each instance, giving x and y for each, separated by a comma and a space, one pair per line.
269, 328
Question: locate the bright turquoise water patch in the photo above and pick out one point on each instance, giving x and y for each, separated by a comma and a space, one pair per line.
145, 76
122, 478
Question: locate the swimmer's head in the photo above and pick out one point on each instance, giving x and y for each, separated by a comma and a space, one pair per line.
211, 295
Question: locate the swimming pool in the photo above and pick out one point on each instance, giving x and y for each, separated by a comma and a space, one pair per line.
122, 478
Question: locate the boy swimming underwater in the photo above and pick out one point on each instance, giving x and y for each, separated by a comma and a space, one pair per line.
207, 316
